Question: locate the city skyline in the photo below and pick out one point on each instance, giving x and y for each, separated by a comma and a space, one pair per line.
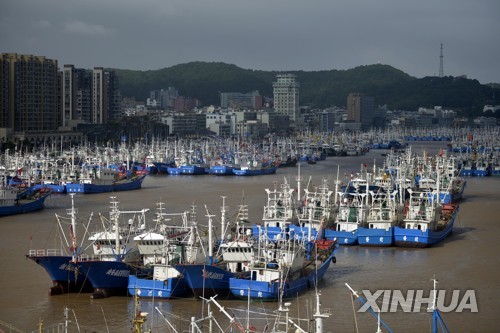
260, 35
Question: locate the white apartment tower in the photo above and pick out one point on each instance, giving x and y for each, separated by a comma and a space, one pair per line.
286, 96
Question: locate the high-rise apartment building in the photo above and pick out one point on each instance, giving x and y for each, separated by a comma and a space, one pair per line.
286, 97
360, 109
77, 95
106, 99
30, 88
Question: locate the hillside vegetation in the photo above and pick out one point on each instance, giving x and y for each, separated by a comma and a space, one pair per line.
318, 89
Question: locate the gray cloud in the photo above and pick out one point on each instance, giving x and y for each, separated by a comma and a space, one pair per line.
260, 34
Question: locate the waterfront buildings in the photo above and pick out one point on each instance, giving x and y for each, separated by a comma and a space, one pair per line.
39, 102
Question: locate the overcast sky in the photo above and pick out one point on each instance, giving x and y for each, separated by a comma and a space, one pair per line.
276, 35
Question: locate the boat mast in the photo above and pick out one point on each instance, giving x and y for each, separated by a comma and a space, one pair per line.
299, 179
223, 219
210, 238
72, 213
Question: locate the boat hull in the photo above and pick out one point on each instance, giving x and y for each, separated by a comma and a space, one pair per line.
31, 201
54, 188
131, 184
343, 237
206, 280
63, 278
375, 237
170, 288
221, 170
270, 291
420, 239
255, 172
108, 278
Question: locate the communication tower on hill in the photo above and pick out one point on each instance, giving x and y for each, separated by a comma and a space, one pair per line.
441, 71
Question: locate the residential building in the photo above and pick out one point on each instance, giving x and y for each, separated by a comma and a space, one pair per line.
30, 88
76, 96
360, 109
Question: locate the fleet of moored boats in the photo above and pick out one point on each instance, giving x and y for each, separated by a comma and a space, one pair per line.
410, 201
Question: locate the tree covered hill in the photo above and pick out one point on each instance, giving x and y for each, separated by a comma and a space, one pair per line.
319, 89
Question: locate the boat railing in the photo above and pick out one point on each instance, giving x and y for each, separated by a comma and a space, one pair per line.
46, 252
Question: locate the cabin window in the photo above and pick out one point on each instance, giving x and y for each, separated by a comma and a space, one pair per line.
419, 227
371, 225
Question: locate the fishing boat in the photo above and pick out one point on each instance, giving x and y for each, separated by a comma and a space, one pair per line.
381, 219
115, 254
54, 186
315, 213
221, 170
352, 212
232, 259
284, 268
17, 201
426, 222
56, 262
161, 249
255, 168
279, 212
106, 181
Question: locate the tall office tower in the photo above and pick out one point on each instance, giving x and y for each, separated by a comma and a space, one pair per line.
30, 93
360, 109
286, 97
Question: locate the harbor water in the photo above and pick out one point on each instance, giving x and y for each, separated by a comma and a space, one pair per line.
466, 260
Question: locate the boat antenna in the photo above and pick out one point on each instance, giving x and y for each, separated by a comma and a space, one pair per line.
370, 309
436, 316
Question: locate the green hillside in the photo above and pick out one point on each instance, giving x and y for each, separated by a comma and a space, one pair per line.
319, 89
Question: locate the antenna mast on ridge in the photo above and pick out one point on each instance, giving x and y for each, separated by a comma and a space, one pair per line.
441, 71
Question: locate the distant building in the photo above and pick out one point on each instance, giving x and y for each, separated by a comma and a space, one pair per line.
76, 95
185, 123
163, 98
237, 101
30, 88
275, 122
360, 109
286, 97
182, 104
106, 98
89, 96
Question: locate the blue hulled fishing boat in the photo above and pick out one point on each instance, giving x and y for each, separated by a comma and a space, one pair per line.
17, 201
115, 254
56, 262
284, 269
162, 248
106, 181
382, 217
426, 222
